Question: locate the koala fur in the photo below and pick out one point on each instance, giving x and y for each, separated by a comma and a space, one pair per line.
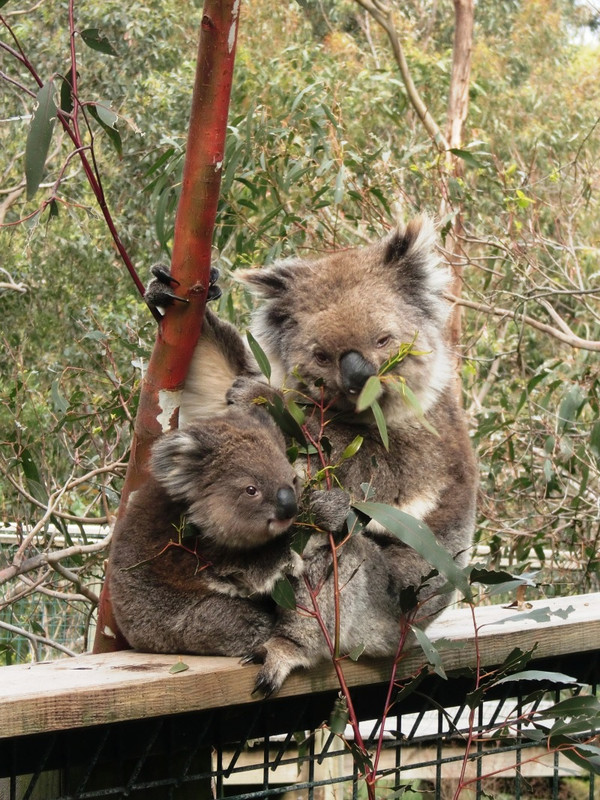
228, 485
327, 325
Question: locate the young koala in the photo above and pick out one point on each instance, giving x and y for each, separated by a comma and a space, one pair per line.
327, 326
201, 545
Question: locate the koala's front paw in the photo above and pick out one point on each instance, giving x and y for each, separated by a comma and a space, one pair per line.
159, 293
245, 390
330, 508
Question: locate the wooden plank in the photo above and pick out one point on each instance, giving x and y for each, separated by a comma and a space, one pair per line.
113, 687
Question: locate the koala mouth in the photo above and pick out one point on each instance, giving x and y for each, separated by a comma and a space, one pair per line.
278, 526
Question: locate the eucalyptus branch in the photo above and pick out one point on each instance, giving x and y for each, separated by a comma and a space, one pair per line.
52, 559
70, 124
567, 338
383, 14
33, 637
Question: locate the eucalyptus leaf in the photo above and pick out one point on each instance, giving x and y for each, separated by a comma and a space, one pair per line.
539, 675
259, 355
381, 424
339, 716
283, 594
353, 448
97, 41
370, 392
417, 535
107, 119
430, 651
180, 666
467, 157
39, 137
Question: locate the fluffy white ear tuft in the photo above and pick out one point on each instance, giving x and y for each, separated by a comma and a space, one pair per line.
412, 252
270, 282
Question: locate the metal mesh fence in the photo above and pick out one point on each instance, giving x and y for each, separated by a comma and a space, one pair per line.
279, 748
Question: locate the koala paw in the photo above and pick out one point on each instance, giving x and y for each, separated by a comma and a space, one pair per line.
270, 677
330, 508
159, 293
245, 390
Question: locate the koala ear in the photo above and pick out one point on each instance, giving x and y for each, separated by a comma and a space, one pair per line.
270, 282
411, 252
178, 457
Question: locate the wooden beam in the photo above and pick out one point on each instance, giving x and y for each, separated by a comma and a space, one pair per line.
114, 687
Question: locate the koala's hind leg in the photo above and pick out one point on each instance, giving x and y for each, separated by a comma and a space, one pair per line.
212, 625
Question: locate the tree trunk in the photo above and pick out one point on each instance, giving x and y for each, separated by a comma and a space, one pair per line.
180, 328
458, 107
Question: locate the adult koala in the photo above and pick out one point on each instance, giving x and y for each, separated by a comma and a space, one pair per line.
327, 326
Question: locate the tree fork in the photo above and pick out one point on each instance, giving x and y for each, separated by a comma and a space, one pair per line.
180, 329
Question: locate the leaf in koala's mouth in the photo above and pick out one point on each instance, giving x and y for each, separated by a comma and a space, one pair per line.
370, 392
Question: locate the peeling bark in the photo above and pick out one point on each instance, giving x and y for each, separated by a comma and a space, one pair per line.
180, 328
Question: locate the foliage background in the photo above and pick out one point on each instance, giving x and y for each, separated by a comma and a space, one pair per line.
323, 151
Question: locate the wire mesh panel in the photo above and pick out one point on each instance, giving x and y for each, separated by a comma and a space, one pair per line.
433, 741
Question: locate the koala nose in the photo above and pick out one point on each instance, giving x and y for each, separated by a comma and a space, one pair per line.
286, 506
355, 370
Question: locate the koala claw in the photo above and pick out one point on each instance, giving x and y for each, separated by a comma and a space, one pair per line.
265, 686
251, 658
159, 293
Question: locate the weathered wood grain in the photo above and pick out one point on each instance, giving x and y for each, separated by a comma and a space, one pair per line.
113, 687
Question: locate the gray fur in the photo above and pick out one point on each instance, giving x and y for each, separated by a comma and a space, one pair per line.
367, 302
213, 597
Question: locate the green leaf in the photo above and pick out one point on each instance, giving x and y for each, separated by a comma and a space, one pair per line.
33, 477
430, 651
370, 392
107, 119
97, 41
180, 666
295, 410
352, 448
339, 716
595, 440
283, 594
259, 355
39, 137
381, 423
59, 402
573, 707
538, 675
467, 157
357, 651
66, 100
569, 407
417, 535
338, 194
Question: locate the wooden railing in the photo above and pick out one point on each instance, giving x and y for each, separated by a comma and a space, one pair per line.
75, 698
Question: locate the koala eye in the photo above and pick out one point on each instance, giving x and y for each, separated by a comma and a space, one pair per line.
383, 341
252, 491
321, 357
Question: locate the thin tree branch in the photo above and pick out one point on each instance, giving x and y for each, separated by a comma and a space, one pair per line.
567, 338
384, 16
33, 637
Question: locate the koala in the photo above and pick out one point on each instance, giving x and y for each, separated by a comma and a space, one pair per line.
201, 545
328, 325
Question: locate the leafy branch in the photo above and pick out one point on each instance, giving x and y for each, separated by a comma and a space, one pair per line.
70, 113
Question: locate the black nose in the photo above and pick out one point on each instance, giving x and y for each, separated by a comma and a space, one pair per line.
355, 370
286, 507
